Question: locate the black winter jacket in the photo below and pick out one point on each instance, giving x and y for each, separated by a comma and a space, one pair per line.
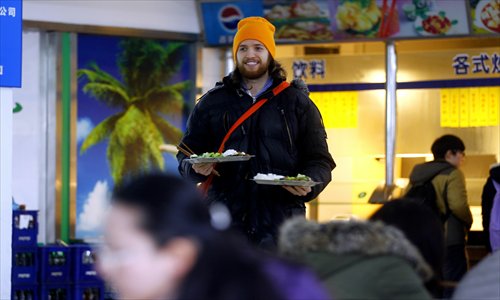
287, 137
487, 197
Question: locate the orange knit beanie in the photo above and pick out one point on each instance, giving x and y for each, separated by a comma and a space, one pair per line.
255, 28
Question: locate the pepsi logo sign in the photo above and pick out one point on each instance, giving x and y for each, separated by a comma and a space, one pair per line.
229, 16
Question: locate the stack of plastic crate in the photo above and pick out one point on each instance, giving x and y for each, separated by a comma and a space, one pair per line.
24, 254
85, 281
54, 271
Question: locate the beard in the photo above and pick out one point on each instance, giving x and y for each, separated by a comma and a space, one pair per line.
253, 74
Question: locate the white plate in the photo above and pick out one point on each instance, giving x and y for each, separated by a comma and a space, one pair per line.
478, 22
419, 23
286, 182
201, 160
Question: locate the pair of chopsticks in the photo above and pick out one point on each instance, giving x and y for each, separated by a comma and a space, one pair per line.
188, 152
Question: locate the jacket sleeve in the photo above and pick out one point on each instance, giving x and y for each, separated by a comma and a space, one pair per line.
314, 157
197, 138
457, 198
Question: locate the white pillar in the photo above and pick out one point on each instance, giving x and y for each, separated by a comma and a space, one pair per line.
390, 112
229, 60
5, 191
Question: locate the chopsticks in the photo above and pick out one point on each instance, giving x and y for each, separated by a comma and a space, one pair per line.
187, 147
184, 151
188, 152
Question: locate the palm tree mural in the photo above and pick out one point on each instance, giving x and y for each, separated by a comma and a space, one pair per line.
143, 96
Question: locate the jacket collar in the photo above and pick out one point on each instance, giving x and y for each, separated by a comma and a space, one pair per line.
267, 93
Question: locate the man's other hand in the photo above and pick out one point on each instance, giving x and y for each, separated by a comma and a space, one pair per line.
298, 190
203, 168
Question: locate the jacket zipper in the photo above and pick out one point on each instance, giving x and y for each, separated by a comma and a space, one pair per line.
287, 129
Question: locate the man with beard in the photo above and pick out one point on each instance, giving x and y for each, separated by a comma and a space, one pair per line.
286, 135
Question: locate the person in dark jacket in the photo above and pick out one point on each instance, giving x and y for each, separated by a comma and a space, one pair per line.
451, 196
286, 136
161, 242
421, 227
489, 192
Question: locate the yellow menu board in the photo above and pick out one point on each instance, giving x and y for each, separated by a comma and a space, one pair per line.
445, 95
463, 107
338, 109
492, 101
470, 107
473, 107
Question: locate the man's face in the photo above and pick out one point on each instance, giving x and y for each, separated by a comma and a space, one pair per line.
455, 158
252, 59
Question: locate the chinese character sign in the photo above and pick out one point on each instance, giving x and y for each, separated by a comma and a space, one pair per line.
304, 69
10, 43
485, 63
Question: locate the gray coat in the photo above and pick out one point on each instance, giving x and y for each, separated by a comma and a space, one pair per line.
482, 281
358, 259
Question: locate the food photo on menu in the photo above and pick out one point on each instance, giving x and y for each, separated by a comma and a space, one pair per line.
428, 18
299, 20
359, 18
485, 16
397, 18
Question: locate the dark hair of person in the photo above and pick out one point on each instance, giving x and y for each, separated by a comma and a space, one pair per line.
421, 228
276, 72
171, 207
445, 143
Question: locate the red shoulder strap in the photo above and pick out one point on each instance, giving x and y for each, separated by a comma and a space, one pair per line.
278, 89
250, 112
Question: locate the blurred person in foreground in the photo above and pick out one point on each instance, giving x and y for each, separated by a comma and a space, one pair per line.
421, 227
161, 242
451, 196
482, 282
286, 135
357, 259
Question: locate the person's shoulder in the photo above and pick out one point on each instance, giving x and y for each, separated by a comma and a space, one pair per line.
218, 88
455, 172
481, 282
299, 85
212, 96
297, 95
438, 167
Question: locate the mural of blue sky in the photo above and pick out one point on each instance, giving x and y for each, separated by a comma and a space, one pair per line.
83, 127
94, 180
94, 208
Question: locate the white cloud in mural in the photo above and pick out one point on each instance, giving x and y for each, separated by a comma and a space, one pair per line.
83, 128
94, 208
